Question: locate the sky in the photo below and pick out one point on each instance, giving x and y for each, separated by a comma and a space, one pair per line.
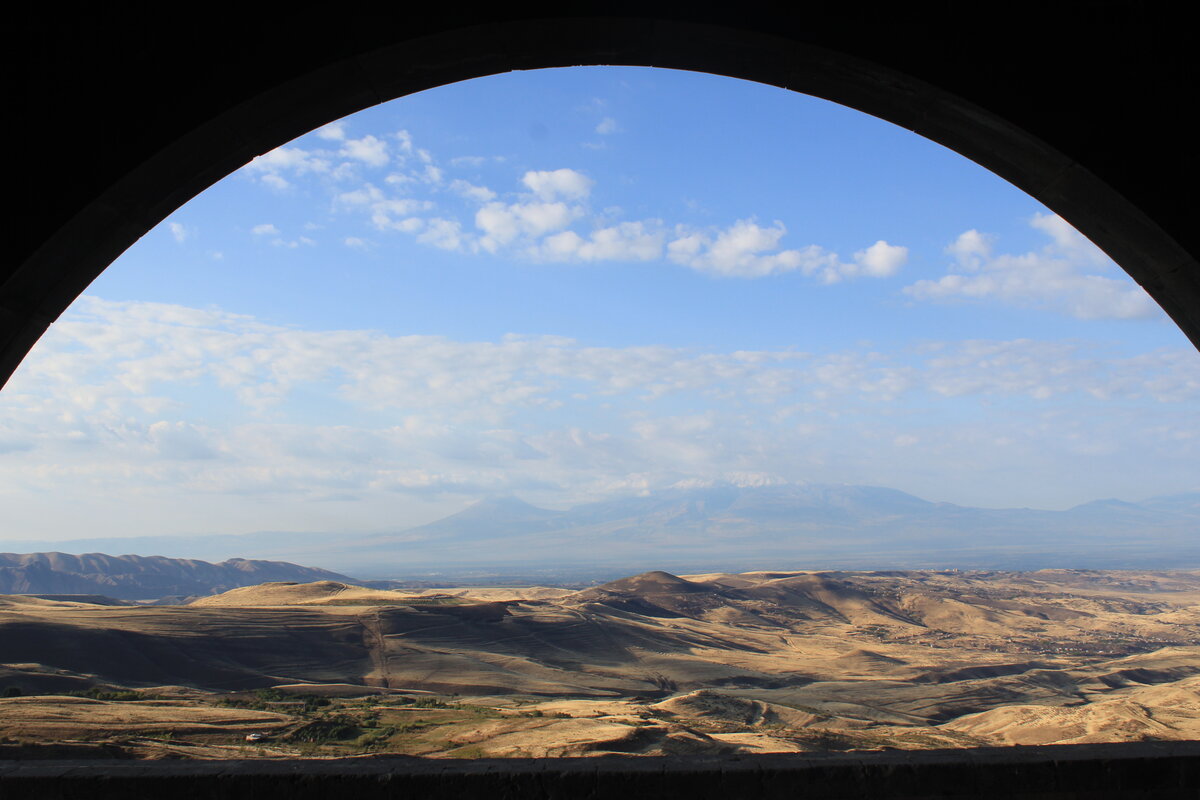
569, 285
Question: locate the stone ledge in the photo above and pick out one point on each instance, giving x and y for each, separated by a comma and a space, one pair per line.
1129, 771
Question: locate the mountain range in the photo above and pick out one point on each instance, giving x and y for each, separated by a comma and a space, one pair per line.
724, 527
95, 576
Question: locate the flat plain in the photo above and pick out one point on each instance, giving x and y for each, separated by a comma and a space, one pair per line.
652, 664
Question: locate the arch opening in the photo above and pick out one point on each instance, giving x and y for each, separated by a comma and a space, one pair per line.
629, 597
214, 146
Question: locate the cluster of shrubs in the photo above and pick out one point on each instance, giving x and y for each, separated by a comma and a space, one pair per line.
333, 729
263, 699
537, 712
97, 693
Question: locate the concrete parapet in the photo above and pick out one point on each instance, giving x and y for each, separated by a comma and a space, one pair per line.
1159, 770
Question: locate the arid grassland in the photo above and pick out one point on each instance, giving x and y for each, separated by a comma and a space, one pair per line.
653, 664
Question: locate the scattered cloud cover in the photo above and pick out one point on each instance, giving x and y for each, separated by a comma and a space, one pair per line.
104, 403
1069, 275
549, 218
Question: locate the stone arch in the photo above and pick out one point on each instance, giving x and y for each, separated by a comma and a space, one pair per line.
343, 74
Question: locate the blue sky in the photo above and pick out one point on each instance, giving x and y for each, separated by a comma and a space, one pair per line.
570, 284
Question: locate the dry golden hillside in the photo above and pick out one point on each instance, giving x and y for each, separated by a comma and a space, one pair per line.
753, 662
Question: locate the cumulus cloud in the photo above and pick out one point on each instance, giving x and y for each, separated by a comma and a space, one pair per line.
446, 234
369, 149
746, 249
560, 183
502, 223
480, 194
1069, 275
627, 241
386, 212
334, 131
880, 260
273, 168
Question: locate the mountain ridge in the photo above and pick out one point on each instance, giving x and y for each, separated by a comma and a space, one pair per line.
133, 577
723, 526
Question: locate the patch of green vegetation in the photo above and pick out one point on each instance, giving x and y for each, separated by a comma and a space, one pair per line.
120, 695
376, 738
270, 699
431, 702
831, 740
332, 729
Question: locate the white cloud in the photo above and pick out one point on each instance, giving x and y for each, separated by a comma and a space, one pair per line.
268, 229
560, 183
545, 226
369, 149
480, 194
445, 234
385, 209
1069, 275
748, 250
881, 260
607, 126
276, 182
502, 223
334, 131
627, 241
179, 232
295, 161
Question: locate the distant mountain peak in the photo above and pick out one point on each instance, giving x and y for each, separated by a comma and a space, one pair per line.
502, 505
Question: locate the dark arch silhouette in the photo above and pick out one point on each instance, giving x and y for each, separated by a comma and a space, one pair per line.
1072, 104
